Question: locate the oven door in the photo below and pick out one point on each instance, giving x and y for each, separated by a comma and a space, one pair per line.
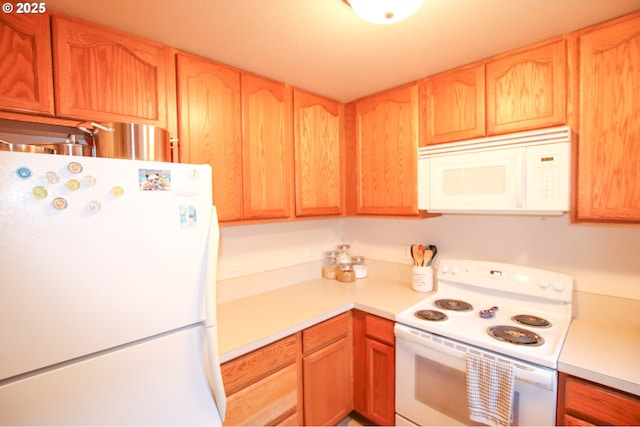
431, 384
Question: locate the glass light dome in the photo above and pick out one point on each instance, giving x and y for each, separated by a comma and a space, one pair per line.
385, 11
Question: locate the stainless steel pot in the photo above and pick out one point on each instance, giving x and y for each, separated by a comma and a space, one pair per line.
71, 149
132, 141
25, 148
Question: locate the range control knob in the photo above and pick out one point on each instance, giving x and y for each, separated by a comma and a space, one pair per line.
543, 284
558, 286
445, 268
454, 270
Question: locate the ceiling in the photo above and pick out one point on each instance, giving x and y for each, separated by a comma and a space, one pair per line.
323, 47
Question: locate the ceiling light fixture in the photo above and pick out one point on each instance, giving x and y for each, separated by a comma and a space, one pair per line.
384, 11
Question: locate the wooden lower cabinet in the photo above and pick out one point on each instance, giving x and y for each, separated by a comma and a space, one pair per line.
584, 403
263, 387
317, 376
328, 371
374, 372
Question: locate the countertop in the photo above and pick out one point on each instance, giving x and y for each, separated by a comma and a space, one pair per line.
249, 323
603, 353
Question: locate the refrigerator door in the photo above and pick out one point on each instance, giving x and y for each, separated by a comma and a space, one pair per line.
96, 253
155, 382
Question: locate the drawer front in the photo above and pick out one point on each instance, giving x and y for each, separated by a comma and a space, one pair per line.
272, 400
326, 332
601, 405
245, 370
380, 329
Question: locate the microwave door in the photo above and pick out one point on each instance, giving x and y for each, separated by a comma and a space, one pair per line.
478, 181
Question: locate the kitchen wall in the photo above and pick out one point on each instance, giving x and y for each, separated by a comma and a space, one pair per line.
603, 259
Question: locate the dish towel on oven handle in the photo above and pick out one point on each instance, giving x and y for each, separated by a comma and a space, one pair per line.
490, 390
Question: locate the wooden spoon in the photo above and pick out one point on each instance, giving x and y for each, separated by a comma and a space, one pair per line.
417, 253
428, 254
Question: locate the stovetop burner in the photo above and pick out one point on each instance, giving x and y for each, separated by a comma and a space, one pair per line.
515, 335
530, 320
431, 315
453, 305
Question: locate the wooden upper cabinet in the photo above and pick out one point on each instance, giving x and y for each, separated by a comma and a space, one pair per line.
386, 133
527, 89
452, 105
210, 127
104, 75
608, 154
319, 155
26, 84
267, 121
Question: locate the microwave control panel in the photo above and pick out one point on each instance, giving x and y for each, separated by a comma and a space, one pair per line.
548, 176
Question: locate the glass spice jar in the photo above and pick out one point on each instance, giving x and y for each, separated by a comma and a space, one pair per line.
345, 273
330, 265
344, 254
359, 266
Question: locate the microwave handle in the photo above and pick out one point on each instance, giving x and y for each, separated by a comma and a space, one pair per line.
520, 178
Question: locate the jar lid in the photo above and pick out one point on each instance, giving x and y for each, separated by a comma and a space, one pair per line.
345, 267
331, 254
344, 247
357, 259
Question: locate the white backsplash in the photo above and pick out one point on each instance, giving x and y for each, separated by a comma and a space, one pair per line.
251, 249
602, 259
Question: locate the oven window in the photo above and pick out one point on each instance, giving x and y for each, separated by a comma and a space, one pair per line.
442, 388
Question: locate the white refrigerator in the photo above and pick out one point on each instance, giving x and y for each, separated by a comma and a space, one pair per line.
107, 292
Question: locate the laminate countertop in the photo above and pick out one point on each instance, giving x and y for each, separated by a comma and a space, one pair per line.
249, 323
603, 353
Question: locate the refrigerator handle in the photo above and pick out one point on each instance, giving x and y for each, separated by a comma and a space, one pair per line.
210, 314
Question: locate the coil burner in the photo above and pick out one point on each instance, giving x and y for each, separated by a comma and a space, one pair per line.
530, 320
515, 335
431, 315
453, 305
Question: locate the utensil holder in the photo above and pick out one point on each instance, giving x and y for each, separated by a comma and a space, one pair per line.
422, 278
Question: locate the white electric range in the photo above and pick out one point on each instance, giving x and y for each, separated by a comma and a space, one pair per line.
512, 313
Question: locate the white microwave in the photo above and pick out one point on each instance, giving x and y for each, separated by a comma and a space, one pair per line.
520, 173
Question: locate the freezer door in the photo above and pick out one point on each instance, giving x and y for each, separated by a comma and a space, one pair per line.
160, 381
122, 261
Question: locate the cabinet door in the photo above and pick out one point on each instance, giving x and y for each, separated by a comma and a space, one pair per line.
262, 386
210, 127
374, 371
328, 394
608, 188
267, 118
319, 155
387, 152
266, 402
381, 384
527, 89
27, 77
104, 75
452, 106
582, 402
